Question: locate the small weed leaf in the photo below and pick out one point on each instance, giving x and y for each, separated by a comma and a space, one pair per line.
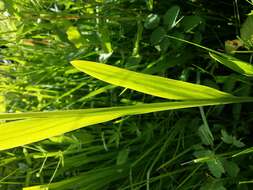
213, 162
216, 168
229, 139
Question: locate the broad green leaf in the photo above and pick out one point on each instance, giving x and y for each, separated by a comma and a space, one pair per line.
153, 85
234, 64
25, 128
171, 16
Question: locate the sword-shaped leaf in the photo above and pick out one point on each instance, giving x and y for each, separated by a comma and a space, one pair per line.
25, 128
149, 84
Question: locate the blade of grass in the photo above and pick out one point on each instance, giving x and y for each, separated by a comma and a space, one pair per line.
34, 127
234, 64
231, 62
246, 151
153, 85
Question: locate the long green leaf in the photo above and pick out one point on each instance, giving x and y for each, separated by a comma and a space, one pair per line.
153, 85
25, 128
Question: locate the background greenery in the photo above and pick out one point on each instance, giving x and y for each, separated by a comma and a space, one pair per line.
196, 148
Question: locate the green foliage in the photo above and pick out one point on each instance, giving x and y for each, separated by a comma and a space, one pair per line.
213, 162
229, 139
170, 17
206, 146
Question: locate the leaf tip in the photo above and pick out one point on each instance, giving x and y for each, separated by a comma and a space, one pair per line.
74, 62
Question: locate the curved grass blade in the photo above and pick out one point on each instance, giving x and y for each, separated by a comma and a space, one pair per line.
25, 128
231, 62
149, 84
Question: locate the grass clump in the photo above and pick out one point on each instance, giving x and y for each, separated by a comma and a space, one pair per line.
196, 55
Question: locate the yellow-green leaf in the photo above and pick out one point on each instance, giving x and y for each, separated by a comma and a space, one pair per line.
153, 85
25, 128
36, 188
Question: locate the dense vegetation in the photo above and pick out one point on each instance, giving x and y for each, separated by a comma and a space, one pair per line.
140, 139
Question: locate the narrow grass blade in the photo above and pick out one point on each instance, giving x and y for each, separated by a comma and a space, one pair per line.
153, 85
39, 187
32, 127
231, 62
246, 151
